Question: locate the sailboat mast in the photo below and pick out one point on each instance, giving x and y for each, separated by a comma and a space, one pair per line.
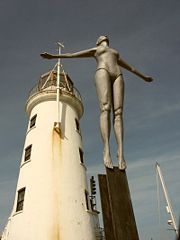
169, 206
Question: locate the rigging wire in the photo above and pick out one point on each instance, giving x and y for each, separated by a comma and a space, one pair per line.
49, 76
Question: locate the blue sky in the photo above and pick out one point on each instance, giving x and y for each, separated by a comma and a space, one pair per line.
147, 35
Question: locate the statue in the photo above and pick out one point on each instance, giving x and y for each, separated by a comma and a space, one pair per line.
110, 91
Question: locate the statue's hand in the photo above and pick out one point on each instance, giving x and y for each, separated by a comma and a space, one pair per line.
148, 79
46, 55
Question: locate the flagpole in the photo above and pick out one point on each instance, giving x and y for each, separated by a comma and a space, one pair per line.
57, 125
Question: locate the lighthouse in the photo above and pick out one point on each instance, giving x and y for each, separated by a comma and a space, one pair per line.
52, 200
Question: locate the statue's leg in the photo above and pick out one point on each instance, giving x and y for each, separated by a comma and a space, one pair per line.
118, 98
104, 93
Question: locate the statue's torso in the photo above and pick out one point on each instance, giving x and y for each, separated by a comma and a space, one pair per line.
108, 58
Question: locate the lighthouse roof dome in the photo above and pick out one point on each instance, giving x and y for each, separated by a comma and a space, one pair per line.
48, 82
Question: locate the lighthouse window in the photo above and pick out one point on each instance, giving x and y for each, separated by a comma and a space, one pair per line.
81, 155
20, 199
87, 199
33, 121
77, 125
27, 155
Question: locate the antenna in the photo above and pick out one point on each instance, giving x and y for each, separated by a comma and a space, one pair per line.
57, 123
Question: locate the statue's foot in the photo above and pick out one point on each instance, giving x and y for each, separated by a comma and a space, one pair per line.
107, 160
122, 165
121, 162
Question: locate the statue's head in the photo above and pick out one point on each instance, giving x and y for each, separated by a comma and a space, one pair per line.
101, 39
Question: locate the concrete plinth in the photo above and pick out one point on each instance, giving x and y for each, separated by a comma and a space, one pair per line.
118, 216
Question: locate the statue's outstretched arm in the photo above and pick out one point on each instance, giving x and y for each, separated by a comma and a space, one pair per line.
123, 64
82, 54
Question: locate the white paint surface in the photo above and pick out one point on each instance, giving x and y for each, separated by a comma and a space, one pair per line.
54, 178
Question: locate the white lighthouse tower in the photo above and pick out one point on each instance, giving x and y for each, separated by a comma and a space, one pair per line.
52, 199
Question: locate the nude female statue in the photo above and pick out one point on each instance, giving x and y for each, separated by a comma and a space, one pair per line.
110, 91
